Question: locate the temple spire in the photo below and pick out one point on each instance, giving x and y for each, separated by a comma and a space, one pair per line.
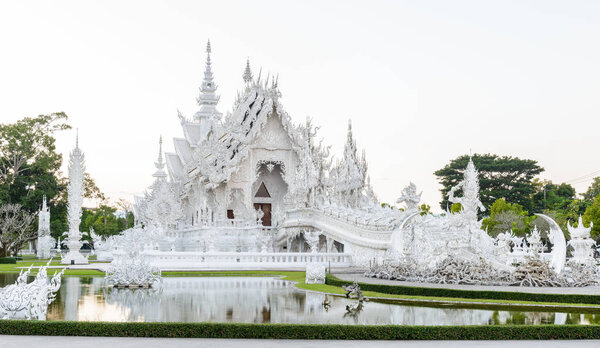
160, 164
247, 72
208, 99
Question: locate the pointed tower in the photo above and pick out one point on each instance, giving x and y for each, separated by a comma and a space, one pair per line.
160, 173
75, 199
208, 98
247, 76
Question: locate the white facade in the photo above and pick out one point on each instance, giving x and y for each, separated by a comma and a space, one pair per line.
252, 181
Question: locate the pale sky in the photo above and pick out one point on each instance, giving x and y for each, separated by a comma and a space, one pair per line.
422, 81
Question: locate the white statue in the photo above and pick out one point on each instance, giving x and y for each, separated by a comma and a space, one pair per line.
129, 269
75, 199
315, 273
410, 197
24, 300
469, 202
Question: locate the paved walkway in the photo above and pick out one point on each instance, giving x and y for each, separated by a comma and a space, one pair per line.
131, 342
359, 277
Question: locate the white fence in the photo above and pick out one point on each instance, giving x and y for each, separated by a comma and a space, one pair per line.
232, 260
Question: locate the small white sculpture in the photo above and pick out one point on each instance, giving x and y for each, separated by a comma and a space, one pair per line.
315, 273
129, 269
581, 242
23, 300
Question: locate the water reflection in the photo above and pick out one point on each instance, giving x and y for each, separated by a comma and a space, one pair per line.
260, 300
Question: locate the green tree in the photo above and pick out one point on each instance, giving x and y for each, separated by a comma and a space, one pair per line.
549, 196
425, 209
506, 217
593, 190
499, 177
29, 163
592, 214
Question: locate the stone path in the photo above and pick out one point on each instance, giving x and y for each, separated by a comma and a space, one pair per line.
359, 277
131, 342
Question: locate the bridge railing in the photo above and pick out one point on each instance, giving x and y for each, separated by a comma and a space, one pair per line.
185, 260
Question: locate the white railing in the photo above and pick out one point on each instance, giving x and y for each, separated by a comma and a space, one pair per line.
244, 260
338, 229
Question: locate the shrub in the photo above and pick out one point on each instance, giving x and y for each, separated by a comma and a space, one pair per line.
8, 260
471, 294
298, 331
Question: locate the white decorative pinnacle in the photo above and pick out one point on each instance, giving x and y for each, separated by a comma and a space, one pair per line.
75, 199
160, 164
247, 72
208, 99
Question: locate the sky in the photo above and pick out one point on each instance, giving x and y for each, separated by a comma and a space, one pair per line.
422, 81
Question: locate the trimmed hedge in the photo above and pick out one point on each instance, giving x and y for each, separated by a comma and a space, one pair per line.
8, 260
298, 331
471, 294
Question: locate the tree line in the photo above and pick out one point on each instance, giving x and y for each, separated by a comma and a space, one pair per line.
30, 169
512, 194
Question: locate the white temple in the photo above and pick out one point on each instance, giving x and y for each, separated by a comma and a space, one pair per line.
252, 189
253, 181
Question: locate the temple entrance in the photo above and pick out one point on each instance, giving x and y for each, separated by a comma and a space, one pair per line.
268, 190
266, 208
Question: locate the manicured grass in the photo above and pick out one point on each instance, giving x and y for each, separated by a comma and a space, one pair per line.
299, 331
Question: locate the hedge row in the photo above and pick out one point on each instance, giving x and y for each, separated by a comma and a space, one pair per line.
471, 294
297, 331
8, 260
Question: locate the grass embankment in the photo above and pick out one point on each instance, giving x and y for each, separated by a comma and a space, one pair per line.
298, 331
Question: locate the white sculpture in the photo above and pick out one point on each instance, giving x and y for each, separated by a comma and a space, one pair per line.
24, 300
75, 199
582, 243
559, 248
410, 197
45, 242
315, 273
312, 239
452, 248
129, 269
102, 247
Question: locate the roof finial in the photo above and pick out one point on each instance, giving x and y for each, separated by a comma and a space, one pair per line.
247, 72
160, 164
76, 137
208, 99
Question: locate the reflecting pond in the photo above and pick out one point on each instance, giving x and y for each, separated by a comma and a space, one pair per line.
261, 300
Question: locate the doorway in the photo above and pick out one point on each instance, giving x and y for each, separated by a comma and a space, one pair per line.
266, 208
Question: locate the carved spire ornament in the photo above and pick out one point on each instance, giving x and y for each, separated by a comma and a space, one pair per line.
75, 199
247, 72
208, 98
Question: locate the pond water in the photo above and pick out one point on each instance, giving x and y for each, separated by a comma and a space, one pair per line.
261, 300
